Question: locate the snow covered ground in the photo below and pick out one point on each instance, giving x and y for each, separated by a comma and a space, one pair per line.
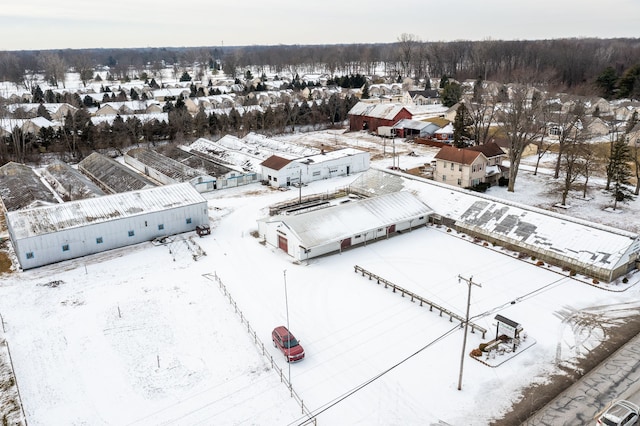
144, 336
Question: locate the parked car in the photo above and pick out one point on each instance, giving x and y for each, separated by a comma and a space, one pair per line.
287, 343
620, 413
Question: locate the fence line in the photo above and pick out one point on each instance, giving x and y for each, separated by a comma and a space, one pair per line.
414, 297
260, 345
13, 371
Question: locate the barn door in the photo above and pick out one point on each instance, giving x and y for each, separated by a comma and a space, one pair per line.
346, 243
391, 229
283, 244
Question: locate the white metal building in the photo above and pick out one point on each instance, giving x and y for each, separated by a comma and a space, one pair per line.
279, 172
335, 228
45, 235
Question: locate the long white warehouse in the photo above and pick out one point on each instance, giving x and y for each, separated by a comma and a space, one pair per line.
45, 235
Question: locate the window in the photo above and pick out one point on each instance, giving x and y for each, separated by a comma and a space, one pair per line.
30, 255
459, 181
316, 173
444, 178
99, 240
188, 220
131, 233
460, 167
451, 166
65, 247
160, 227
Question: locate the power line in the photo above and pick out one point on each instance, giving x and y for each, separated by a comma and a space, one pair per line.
305, 420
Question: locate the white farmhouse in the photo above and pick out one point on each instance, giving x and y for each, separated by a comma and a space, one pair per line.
45, 235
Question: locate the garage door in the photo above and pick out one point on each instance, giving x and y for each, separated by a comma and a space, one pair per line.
282, 244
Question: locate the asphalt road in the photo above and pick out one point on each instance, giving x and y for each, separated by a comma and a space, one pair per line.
618, 377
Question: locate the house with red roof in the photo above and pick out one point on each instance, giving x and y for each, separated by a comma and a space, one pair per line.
468, 167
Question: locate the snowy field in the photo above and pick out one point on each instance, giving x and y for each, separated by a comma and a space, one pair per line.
144, 336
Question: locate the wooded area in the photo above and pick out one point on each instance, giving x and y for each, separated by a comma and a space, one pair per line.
607, 67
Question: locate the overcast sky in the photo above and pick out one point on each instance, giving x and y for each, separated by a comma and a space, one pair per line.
40, 24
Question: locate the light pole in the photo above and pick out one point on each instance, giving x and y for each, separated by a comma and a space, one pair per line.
286, 302
466, 324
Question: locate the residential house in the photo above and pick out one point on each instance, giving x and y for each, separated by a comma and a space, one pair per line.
425, 97
468, 167
445, 134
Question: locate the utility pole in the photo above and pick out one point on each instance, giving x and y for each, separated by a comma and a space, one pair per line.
466, 324
286, 301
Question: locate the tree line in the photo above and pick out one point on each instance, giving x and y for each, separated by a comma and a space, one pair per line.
79, 136
608, 67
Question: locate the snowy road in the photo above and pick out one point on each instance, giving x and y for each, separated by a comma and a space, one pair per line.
616, 378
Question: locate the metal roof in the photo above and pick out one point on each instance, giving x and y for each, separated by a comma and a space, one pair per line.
21, 187
69, 183
335, 223
165, 165
75, 214
111, 175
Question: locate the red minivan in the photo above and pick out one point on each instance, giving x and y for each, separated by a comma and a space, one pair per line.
288, 345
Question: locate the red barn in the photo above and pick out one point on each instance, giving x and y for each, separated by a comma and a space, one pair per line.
366, 116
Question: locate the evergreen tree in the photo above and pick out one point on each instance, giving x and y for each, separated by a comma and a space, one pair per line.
620, 170
629, 83
461, 126
38, 95
49, 96
451, 94
201, 122
606, 82
43, 112
365, 91
88, 101
185, 77
134, 95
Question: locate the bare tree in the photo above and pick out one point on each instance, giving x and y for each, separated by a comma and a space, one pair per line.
55, 68
408, 44
83, 65
567, 123
482, 110
571, 160
590, 164
519, 120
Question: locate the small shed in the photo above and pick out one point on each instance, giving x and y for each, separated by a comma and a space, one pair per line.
507, 327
